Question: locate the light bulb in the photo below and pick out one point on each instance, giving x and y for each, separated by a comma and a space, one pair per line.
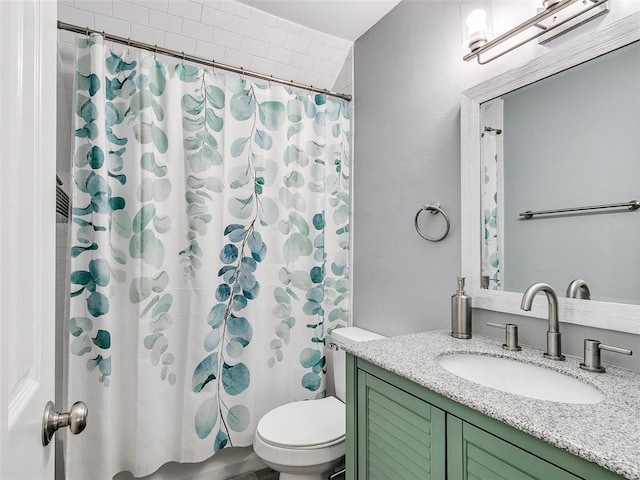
477, 20
477, 28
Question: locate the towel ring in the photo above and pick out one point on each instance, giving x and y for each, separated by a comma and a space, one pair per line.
432, 208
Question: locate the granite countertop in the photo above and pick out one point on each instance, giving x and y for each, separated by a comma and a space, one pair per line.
606, 433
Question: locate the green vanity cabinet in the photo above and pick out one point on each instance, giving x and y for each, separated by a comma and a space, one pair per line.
400, 436
473, 453
398, 430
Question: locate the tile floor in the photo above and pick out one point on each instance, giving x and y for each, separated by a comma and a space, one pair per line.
264, 474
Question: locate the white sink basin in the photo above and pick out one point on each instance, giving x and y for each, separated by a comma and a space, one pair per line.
519, 378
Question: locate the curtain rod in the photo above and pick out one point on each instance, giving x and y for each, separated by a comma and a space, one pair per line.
192, 58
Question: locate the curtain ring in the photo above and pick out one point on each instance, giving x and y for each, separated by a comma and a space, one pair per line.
432, 208
155, 52
242, 73
213, 66
183, 59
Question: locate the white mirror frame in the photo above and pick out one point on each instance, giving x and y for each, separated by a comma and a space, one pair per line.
609, 316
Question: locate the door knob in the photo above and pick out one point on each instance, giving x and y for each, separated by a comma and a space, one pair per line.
75, 419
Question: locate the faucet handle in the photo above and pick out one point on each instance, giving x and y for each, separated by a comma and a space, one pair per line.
592, 355
511, 335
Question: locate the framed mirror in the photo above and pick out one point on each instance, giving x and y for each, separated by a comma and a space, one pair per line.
520, 155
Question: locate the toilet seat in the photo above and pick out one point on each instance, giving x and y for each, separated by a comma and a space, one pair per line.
305, 425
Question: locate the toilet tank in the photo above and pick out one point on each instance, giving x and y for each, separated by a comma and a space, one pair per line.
345, 336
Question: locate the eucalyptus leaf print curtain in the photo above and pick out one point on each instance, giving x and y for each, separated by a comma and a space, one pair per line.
209, 256
492, 231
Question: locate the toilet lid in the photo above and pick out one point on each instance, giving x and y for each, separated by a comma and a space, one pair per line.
304, 424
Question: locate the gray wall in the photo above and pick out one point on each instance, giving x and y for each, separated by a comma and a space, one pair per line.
572, 140
406, 154
408, 79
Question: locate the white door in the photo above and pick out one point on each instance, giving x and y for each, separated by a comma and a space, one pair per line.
27, 233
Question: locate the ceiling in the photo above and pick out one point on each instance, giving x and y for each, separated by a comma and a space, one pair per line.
347, 19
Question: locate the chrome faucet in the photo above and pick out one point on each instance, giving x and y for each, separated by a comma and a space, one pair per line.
578, 288
554, 348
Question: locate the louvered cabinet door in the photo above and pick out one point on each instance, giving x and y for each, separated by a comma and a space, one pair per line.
474, 454
400, 437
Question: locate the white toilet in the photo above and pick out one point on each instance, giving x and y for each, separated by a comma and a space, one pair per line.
306, 440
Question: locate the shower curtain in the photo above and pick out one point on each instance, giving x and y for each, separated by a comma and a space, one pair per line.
209, 256
492, 230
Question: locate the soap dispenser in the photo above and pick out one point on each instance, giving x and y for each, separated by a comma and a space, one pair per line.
461, 312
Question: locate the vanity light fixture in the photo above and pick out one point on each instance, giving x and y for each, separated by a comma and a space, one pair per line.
555, 18
477, 29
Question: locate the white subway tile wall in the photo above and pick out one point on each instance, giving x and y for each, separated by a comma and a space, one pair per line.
217, 18
152, 36
209, 50
245, 27
276, 37
183, 9
112, 25
279, 55
223, 30
297, 43
131, 12
255, 47
180, 43
302, 61
163, 21
262, 65
236, 57
344, 81
162, 5
197, 30
226, 39
104, 7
